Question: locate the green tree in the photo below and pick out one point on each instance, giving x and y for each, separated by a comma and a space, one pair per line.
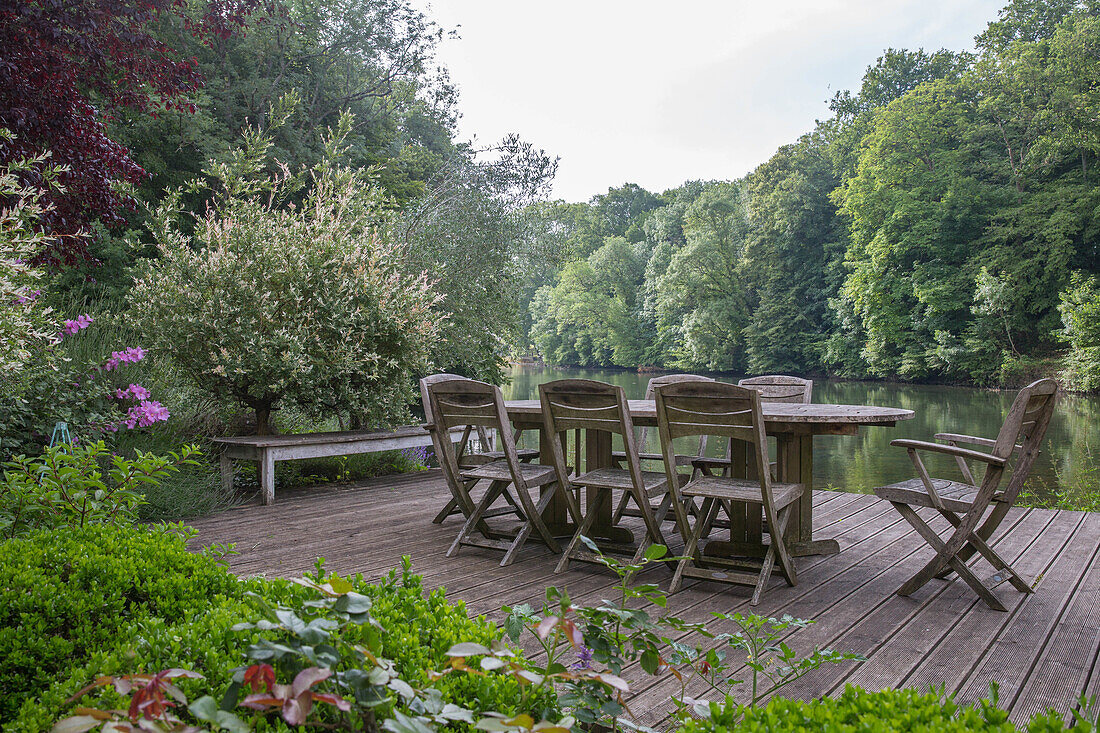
271, 305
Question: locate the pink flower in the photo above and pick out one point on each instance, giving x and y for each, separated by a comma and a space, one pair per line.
145, 413
134, 391
132, 355
76, 325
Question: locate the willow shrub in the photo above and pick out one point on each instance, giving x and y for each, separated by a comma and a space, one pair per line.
286, 292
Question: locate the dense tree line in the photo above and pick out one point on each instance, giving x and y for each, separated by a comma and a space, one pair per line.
942, 224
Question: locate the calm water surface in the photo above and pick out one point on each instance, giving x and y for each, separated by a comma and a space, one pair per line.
1070, 457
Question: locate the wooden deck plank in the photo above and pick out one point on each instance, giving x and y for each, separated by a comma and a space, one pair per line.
956, 654
1043, 651
1063, 670
1012, 654
898, 656
902, 620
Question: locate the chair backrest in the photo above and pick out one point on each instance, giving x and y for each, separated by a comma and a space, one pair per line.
672, 379
719, 409
466, 402
585, 404
1024, 430
781, 388
464, 441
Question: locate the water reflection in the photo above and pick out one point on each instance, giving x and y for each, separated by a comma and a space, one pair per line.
859, 463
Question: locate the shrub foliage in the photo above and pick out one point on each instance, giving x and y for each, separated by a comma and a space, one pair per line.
287, 292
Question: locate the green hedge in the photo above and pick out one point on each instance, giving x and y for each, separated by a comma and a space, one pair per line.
75, 605
858, 711
65, 594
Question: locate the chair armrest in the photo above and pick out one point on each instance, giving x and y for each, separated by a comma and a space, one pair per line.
950, 450
975, 440
960, 438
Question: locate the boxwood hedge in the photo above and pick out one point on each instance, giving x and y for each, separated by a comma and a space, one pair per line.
77, 604
859, 711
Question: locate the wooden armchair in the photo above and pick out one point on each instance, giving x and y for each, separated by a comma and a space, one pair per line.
964, 503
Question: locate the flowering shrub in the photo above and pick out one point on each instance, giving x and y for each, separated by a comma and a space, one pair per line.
271, 302
65, 382
24, 325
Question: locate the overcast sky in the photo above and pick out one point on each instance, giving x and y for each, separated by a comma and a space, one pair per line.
656, 93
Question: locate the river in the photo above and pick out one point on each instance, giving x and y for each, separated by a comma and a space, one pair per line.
1069, 463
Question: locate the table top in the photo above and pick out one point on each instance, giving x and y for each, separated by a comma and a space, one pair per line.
775, 413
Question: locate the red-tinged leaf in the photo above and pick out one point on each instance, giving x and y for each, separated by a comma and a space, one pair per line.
259, 677
576, 638
97, 714
339, 702
99, 682
307, 678
546, 626
175, 693
296, 710
171, 674
261, 702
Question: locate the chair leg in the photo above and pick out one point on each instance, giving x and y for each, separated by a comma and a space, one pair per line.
976, 542
620, 508
521, 538
765, 575
582, 529
535, 521
474, 519
448, 509
936, 564
691, 548
779, 544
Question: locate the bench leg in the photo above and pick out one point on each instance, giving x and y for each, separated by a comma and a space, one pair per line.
267, 477
227, 472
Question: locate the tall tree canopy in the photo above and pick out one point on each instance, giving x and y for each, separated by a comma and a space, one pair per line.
928, 230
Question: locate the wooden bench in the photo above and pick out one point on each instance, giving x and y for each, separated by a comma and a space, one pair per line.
267, 449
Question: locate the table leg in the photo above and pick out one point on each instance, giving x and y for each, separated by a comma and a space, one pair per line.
556, 515
597, 454
796, 465
267, 476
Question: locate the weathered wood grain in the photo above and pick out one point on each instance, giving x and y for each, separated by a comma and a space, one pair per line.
1043, 651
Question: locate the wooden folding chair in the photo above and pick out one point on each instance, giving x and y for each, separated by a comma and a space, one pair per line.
731, 412
621, 509
772, 388
466, 455
963, 504
584, 404
455, 402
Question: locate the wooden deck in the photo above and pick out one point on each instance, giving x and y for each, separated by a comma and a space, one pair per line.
1043, 652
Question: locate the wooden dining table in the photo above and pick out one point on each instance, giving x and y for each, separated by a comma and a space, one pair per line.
793, 426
